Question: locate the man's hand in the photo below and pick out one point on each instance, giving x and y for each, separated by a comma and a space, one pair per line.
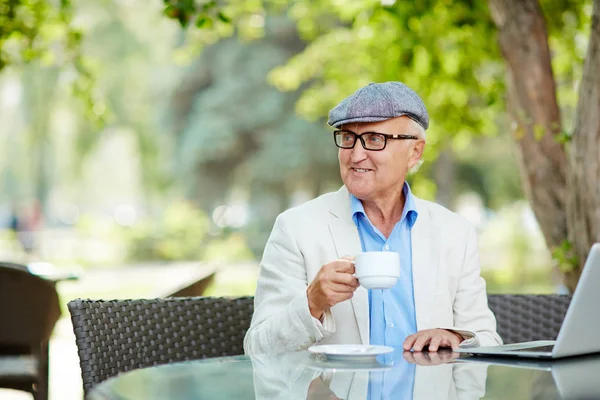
433, 338
426, 358
333, 284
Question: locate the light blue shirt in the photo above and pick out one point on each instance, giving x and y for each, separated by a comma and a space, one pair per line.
391, 311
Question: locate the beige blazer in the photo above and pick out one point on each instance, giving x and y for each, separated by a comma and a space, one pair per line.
448, 289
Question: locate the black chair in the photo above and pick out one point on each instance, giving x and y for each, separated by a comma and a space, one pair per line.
29, 309
121, 335
527, 317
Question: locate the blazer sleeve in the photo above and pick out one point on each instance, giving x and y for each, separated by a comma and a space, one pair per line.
472, 317
282, 321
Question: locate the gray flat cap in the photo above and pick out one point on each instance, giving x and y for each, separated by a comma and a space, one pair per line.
378, 102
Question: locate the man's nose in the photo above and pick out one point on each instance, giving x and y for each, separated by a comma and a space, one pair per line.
359, 153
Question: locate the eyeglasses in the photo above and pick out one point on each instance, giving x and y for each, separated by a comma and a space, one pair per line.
370, 140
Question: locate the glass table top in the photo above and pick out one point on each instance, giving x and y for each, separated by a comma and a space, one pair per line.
397, 375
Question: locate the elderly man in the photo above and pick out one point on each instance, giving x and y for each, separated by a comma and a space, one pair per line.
306, 291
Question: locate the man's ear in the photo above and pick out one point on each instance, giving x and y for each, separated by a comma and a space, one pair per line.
416, 153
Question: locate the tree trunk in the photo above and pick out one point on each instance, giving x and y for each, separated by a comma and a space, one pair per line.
583, 205
534, 109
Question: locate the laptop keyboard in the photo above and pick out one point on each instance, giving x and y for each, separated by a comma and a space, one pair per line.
538, 349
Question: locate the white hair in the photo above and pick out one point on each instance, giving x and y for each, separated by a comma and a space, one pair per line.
420, 132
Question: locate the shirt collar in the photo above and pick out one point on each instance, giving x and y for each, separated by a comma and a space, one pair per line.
410, 208
409, 212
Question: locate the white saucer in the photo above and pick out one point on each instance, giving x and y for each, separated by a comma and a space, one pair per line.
350, 352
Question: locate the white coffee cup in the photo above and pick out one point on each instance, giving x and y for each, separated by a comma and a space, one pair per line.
377, 269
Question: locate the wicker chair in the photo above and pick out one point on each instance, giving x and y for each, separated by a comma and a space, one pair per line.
29, 309
527, 317
122, 335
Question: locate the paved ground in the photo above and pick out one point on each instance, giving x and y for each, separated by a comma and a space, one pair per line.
142, 281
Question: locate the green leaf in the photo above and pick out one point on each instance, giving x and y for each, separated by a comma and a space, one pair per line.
538, 132
171, 11
204, 21
564, 255
224, 18
564, 137
187, 6
65, 4
183, 19
209, 5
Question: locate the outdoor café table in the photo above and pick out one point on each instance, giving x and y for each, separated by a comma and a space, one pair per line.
50, 272
302, 376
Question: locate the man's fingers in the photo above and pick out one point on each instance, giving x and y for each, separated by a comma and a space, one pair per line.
435, 342
421, 342
345, 279
408, 342
429, 358
332, 297
455, 342
426, 358
344, 264
333, 284
434, 358
409, 357
434, 339
447, 355
419, 359
443, 338
340, 287
437, 357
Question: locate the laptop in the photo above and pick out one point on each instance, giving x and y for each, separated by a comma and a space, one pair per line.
580, 330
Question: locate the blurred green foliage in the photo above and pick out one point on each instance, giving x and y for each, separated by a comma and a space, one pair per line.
445, 49
72, 106
565, 256
130, 76
222, 131
529, 280
447, 54
181, 234
36, 29
236, 134
231, 247
42, 31
514, 258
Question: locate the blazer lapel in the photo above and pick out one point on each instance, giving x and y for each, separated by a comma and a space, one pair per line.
424, 265
347, 243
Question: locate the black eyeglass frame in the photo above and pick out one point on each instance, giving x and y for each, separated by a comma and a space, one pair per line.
386, 136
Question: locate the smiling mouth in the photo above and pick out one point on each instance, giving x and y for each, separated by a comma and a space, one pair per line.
360, 170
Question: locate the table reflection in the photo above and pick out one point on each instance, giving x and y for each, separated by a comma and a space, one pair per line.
399, 375
568, 378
